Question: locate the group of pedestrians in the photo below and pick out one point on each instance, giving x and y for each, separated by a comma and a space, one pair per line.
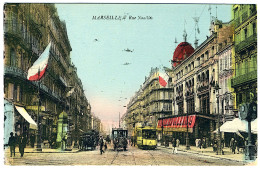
201, 143
13, 141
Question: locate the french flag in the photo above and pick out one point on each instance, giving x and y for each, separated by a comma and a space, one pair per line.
39, 67
163, 79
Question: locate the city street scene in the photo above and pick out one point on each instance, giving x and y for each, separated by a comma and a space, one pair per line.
129, 84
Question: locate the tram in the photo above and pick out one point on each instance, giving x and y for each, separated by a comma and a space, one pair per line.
89, 140
146, 137
119, 137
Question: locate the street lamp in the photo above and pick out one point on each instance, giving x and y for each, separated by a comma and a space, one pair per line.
219, 150
38, 136
187, 134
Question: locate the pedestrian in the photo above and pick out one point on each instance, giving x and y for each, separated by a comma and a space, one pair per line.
199, 143
196, 142
12, 143
234, 145
231, 143
174, 148
32, 140
22, 144
105, 145
101, 143
215, 145
177, 142
204, 145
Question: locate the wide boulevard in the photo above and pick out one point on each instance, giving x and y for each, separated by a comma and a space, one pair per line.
133, 156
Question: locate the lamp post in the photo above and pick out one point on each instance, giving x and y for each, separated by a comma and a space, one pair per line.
38, 135
187, 134
219, 150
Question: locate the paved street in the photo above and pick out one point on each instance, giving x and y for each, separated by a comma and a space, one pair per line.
134, 156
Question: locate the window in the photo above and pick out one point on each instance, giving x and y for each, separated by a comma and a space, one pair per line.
202, 59
18, 94
226, 61
212, 51
220, 64
198, 61
230, 59
220, 46
12, 57
10, 91
207, 55
245, 32
254, 28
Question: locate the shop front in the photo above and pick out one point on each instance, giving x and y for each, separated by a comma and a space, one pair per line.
199, 127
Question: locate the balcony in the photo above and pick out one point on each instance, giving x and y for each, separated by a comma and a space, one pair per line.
63, 81
19, 73
246, 78
244, 17
246, 43
64, 64
15, 30
15, 71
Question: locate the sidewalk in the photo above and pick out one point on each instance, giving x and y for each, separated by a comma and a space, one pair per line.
209, 152
44, 150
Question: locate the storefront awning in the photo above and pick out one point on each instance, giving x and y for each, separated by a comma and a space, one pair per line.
237, 125
27, 117
177, 123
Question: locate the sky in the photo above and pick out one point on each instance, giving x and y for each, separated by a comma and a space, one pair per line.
99, 46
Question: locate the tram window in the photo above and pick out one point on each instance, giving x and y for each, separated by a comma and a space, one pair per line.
149, 134
115, 134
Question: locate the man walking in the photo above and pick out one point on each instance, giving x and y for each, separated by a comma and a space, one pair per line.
12, 143
22, 144
174, 148
101, 143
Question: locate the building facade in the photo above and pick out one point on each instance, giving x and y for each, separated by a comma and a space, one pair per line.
28, 29
149, 103
244, 80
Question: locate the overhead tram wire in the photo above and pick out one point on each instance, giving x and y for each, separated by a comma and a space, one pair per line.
195, 23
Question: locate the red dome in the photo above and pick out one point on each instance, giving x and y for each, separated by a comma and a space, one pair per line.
184, 48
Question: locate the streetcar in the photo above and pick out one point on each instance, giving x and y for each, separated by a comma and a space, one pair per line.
146, 137
119, 138
89, 140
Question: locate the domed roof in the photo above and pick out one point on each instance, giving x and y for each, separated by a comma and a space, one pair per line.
184, 48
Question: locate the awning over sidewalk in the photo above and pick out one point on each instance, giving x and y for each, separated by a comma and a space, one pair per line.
177, 123
27, 117
237, 125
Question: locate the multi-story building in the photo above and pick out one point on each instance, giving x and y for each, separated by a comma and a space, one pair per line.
150, 102
226, 93
195, 76
28, 29
244, 80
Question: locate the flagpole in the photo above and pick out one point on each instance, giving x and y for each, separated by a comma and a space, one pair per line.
38, 144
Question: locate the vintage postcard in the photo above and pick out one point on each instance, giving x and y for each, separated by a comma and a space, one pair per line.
129, 84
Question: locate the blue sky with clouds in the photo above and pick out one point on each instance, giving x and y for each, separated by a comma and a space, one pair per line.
107, 81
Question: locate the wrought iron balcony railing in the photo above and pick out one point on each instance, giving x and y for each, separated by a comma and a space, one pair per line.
245, 43
248, 77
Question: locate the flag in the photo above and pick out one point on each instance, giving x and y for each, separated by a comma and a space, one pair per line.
163, 78
39, 67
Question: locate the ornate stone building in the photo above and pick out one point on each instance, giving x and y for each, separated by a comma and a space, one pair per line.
194, 78
28, 29
150, 102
